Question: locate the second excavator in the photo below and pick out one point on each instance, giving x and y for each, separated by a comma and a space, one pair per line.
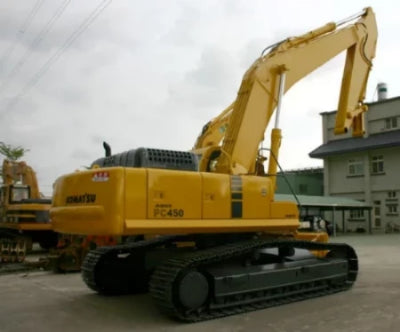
24, 213
215, 242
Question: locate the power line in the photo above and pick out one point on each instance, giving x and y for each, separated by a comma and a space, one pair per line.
34, 44
75, 34
23, 28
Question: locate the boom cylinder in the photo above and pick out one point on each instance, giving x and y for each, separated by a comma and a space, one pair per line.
276, 138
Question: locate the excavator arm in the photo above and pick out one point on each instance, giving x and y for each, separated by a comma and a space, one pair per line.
273, 74
214, 131
14, 171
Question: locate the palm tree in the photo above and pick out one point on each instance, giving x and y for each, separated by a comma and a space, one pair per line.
12, 153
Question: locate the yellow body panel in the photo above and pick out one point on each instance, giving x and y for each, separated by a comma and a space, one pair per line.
216, 190
130, 201
98, 209
28, 207
136, 185
320, 237
257, 197
173, 194
184, 226
27, 213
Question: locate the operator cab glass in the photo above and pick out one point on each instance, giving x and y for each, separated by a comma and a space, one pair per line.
19, 193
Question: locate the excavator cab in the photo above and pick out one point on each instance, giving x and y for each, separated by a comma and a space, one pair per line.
12, 194
18, 193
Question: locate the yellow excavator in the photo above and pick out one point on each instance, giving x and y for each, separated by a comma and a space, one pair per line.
24, 213
214, 241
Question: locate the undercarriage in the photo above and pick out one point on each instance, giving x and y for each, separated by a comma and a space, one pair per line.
15, 244
13, 249
192, 284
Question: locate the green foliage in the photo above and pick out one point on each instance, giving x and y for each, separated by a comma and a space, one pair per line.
12, 153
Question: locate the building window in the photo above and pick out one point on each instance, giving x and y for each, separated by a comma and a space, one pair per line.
391, 198
377, 165
392, 209
303, 188
356, 167
377, 212
357, 214
391, 123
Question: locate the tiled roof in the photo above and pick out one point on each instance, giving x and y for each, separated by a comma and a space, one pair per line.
377, 141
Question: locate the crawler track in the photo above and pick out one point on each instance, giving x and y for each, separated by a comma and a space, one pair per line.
120, 270
163, 279
109, 271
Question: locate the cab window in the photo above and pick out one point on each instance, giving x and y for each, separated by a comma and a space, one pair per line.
19, 194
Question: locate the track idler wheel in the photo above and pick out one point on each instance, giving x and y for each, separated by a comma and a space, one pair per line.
13, 252
5, 250
21, 250
192, 290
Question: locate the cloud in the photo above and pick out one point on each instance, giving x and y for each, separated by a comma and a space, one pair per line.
211, 81
153, 73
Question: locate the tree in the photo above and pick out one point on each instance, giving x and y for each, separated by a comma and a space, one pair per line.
12, 153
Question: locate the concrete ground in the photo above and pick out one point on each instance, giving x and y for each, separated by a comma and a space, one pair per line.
43, 301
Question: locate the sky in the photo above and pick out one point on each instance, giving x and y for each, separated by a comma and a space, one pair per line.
151, 73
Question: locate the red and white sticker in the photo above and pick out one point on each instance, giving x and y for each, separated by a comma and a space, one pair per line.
100, 177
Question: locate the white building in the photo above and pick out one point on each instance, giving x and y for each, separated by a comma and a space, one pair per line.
367, 168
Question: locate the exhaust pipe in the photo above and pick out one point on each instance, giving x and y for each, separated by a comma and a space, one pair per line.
107, 149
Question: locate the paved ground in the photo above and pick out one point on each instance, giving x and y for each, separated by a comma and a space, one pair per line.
43, 301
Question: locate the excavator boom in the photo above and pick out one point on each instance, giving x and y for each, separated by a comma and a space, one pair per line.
294, 58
